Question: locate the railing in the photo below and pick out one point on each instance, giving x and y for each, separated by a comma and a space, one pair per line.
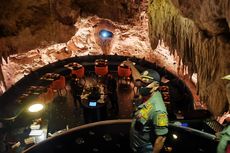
113, 136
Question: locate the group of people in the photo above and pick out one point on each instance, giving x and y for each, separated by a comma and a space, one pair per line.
150, 116
149, 126
111, 83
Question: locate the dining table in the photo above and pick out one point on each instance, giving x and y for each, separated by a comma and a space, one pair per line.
94, 101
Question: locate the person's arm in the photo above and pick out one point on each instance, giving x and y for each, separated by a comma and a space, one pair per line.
222, 118
135, 73
161, 130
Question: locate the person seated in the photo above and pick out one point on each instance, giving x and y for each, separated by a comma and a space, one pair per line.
94, 94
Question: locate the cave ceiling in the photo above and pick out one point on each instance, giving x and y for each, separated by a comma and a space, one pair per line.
197, 31
27, 24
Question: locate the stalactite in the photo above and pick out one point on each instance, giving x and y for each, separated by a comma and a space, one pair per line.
2, 81
202, 54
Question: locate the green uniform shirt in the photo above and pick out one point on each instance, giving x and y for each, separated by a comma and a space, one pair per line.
152, 119
224, 138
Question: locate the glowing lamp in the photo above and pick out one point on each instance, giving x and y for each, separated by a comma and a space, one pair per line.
105, 34
35, 108
174, 136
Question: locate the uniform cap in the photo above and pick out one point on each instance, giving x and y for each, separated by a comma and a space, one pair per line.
227, 77
150, 75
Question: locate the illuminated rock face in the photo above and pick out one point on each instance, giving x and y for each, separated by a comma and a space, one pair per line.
27, 24
101, 30
212, 16
201, 40
34, 25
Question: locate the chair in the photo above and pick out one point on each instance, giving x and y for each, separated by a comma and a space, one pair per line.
124, 72
101, 68
79, 72
59, 85
47, 96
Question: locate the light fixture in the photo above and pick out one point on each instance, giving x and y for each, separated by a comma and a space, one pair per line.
174, 136
105, 34
35, 108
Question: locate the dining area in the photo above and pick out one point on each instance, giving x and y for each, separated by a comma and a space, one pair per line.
52, 88
94, 101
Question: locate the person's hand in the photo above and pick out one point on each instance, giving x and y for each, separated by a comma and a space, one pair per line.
222, 118
128, 63
159, 143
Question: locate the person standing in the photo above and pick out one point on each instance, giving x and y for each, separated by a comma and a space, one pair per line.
112, 93
224, 135
76, 90
149, 126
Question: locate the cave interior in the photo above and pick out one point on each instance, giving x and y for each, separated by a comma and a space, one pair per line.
187, 42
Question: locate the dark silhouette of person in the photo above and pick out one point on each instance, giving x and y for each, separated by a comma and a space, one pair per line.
76, 90
94, 94
112, 92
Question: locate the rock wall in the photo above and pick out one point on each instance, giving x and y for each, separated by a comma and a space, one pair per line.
198, 31
27, 24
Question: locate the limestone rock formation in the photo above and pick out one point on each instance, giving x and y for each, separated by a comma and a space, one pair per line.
199, 32
28, 24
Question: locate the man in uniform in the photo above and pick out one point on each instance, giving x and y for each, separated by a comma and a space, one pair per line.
150, 122
224, 135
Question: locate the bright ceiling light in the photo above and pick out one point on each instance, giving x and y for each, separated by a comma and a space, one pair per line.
35, 108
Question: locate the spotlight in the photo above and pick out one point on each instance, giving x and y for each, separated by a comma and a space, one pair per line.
105, 34
174, 136
35, 108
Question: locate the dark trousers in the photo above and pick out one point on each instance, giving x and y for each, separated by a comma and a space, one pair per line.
77, 100
113, 98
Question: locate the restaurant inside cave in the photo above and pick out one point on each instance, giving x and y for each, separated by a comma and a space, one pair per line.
99, 76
